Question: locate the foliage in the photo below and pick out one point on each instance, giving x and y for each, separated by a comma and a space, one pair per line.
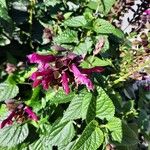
113, 107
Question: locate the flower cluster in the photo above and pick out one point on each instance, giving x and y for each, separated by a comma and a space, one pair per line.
61, 70
18, 113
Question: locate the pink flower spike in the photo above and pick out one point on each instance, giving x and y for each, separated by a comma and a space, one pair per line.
8, 120
30, 113
65, 81
81, 78
91, 70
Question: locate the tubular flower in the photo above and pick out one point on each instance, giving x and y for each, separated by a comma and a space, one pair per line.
61, 70
19, 113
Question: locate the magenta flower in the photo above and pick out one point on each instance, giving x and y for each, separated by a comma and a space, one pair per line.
41, 60
30, 113
19, 114
65, 82
8, 120
92, 70
147, 12
44, 78
60, 71
81, 78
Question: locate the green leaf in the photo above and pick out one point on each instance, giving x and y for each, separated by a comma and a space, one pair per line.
3, 110
78, 106
91, 138
78, 21
3, 11
41, 144
13, 135
84, 47
69, 146
95, 61
106, 6
58, 97
104, 27
104, 105
61, 134
68, 36
51, 2
91, 112
100, 62
6, 24
115, 126
13, 148
8, 91
129, 136
93, 4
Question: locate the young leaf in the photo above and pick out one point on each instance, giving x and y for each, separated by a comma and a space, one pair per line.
115, 126
78, 21
8, 91
104, 105
91, 138
13, 135
68, 36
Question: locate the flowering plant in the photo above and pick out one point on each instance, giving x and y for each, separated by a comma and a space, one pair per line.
70, 79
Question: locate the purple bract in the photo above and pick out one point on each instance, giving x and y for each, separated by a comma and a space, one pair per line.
61, 70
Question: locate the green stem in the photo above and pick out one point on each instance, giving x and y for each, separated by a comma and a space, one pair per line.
31, 11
